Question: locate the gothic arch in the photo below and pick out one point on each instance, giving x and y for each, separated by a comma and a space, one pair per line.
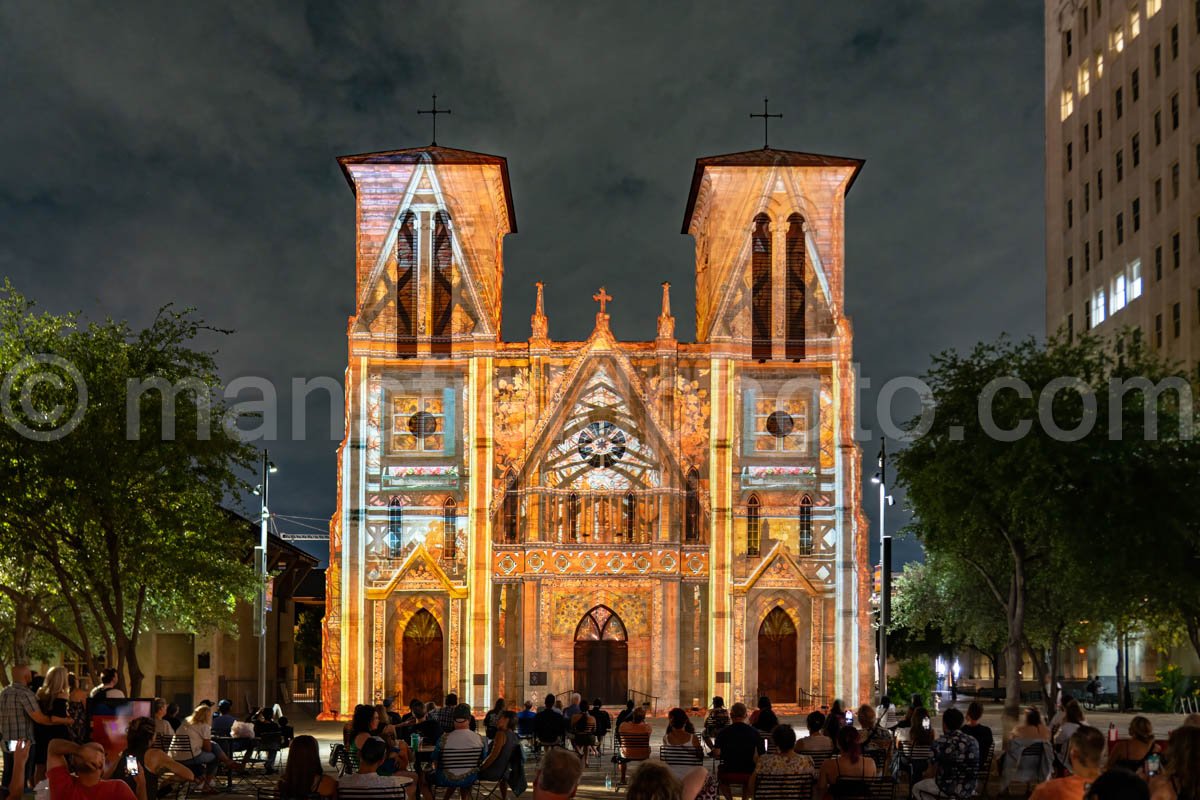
762, 294
442, 282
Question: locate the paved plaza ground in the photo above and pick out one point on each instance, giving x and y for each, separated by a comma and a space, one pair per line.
593, 784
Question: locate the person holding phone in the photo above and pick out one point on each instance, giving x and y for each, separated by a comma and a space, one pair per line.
141, 756
19, 710
19, 750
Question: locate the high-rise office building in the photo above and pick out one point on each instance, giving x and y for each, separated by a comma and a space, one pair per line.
1123, 170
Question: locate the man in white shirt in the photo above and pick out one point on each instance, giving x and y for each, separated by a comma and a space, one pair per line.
459, 753
370, 756
886, 714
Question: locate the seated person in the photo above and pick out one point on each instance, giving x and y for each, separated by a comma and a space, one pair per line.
1085, 750
786, 762
737, 747
270, 737
525, 719
981, 733
954, 767
549, 725
681, 736
872, 736
304, 777
151, 761
370, 756
816, 741
505, 745
635, 740
603, 720
458, 755
583, 733
1031, 727
849, 765
222, 721
1130, 754
87, 762
1118, 784
558, 775
716, 721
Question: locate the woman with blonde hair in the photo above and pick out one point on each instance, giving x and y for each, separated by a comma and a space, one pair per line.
52, 697
205, 752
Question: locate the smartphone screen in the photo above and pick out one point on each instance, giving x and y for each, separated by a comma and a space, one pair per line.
12, 745
925, 723
131, 765
849, 717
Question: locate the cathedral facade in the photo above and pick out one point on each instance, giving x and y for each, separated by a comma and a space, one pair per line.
656, 519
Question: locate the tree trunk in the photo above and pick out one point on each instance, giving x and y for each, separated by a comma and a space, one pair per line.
1120, 670
129, 656
994, 659
1052, 695
1016, 639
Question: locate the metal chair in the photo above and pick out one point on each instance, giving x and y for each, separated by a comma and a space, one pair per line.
624, 744
681, 755
785, 787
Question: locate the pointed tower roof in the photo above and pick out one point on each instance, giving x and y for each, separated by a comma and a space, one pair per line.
764, 157
435, 155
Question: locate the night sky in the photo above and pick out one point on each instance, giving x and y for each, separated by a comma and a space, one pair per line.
160, 152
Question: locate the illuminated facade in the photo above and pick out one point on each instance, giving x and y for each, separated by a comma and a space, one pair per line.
672, 519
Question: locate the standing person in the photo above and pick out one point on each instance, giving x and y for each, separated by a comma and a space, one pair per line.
87, 762
19, 710
1085, 749
737, 748
77, 711
107, 688
52, 699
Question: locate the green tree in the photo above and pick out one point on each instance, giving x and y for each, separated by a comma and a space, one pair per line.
123, 514
1055, 529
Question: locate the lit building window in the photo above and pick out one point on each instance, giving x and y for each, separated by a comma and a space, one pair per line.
1099, 65
781, 425
1153, 7
1135, 279
1085, 84
805, 543
1118, 294
753, 527
1099, 309
417, 423
1068, 102
1116, 39
1135, 23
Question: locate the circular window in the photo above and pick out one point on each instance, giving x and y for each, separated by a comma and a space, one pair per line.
422, 424
780, 423
601, 444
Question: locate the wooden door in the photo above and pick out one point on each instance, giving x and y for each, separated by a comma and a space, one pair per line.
422, 658
777, 657
601, 656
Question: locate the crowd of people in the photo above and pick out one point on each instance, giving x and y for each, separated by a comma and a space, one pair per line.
46, 728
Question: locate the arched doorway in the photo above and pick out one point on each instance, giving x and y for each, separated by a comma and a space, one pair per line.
422, 664
777, 657
602, 656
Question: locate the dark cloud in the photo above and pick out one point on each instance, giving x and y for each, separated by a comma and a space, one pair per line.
184, 152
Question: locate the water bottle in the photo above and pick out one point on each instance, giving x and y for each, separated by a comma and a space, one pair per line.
1112, 734
608, 781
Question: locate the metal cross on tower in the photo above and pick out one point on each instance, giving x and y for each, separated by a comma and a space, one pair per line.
766, 118
602, 297
434, 112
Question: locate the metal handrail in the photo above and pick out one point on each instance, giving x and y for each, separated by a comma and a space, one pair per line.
650, 700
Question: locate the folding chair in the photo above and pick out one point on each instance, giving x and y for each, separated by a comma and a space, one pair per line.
456, 761
681, 755
784, 787
371, 793
624, 745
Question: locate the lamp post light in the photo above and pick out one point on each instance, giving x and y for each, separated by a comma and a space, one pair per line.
260, 563
885, 570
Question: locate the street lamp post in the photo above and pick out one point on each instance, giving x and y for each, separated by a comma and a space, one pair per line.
260, 562
885, 569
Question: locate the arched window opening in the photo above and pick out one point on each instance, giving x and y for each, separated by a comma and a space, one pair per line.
806, 526
395, 534
511, 506
573, 516
406, 286
449, 529
443, 284
753, 527
760, 288
795, 288
630, 516
691, 507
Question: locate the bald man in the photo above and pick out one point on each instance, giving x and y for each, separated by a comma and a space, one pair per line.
19, 709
